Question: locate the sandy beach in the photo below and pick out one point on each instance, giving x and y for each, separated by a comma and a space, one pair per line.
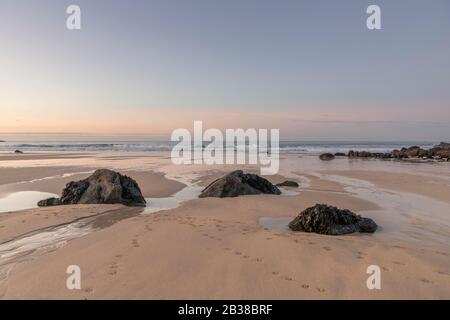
183, 247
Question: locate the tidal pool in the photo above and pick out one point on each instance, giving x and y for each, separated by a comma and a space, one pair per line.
22, 200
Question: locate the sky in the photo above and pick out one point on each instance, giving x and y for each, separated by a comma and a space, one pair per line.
310, 68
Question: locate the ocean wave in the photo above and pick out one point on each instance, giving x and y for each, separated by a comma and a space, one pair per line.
285, 147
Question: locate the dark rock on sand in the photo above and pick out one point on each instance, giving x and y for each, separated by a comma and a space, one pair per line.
414, 151
238, 183
360, 154
288, 183
330, 220
18, 151
441, 150
102, 187
326, 156
49, 202
340, 154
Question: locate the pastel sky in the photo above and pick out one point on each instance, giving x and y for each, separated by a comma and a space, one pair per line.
310, 68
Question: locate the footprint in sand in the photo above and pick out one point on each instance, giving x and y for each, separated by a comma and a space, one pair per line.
310, 242
426, 280
269, 238
275, 273
305, 286
118, 256
287, 278
135, 243
326, 248
258, 259
88, 290
384, 268
148, 228
238, 253
399, 263
321, 289
246, 257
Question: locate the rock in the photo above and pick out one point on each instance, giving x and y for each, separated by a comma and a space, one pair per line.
340, 154
360, 154
397, 154
288, 183
73, 191
49, 202
18, 151
441, 150
2, 141
238, 183
330, 220
326, 156
413, 151
104, 186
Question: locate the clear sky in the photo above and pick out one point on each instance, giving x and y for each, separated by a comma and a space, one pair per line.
310, 68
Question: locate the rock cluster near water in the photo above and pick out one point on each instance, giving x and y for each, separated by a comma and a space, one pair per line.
329, 220
440, 152
238, 183
102, 187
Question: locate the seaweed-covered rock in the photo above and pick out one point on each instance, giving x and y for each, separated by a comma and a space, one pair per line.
325, 219
103, 186
238, 183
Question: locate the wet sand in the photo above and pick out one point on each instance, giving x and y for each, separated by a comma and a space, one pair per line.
218, 249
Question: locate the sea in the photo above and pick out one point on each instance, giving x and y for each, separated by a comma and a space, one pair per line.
32, 142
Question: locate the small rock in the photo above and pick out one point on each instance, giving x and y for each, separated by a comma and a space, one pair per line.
288, 183
340, 154
330, 220
49, 202
18, 151
326, 156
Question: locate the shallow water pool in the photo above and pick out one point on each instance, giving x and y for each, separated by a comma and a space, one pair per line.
22, 200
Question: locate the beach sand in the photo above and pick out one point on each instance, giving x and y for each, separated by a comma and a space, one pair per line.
231, 248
